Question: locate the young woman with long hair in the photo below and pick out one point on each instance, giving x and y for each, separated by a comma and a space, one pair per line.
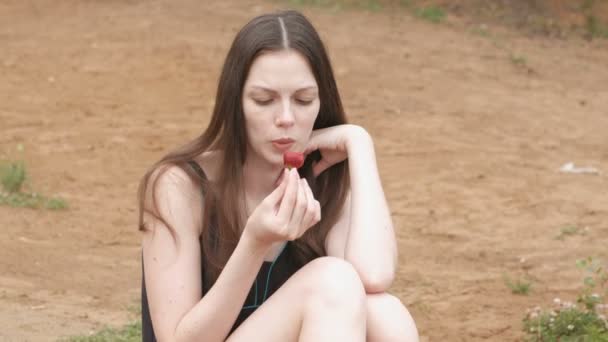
238, 248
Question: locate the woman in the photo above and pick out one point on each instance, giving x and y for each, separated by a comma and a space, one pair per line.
237, 248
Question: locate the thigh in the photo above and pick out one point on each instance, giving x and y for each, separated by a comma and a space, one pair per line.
280, 317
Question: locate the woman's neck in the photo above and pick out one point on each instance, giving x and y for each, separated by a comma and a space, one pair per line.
259, 180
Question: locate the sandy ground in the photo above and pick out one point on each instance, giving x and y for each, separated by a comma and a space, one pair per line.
470, 131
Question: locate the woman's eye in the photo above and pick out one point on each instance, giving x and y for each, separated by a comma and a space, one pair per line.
262, 102
304, 102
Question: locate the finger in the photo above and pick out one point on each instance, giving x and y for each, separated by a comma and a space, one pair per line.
319, 167
298, 211
276, 195
309, 148
290, 196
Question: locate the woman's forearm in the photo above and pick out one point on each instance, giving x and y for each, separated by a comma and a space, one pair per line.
213, 316
371, 245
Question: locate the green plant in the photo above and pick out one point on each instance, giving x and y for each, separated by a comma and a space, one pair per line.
13, 176
518, 60
595, 283
373, 5
584, 320
519, 286
433, 14
594, 28
569, 231
56, 203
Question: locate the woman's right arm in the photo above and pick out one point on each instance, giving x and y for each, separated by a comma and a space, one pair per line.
172, 267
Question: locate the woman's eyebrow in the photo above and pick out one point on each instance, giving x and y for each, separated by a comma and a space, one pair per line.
309, 88
257, 87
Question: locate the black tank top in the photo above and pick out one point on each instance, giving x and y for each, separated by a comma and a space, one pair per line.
271, 276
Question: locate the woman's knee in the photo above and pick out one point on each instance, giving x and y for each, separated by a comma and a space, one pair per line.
389, 319
335, 282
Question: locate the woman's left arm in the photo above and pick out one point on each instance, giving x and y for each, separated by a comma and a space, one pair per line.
364, 233
370, 246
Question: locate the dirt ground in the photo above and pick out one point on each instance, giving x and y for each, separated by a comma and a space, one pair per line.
470, 127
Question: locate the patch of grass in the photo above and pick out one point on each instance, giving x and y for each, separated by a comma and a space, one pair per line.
565, 324
32, 200
336, 5
406, 3
518, 60
13, 177
569, 231
594, 28
433, 14
519, 287
373, 5
128, 333
56, 203
584, 320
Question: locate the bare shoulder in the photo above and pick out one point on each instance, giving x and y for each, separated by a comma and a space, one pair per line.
173, 199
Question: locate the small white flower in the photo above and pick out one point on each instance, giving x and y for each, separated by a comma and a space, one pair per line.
533, 315
595, 295
570, 327
556, 301
551, 319
532, 329
553, 313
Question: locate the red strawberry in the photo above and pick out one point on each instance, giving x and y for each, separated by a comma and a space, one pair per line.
293, 159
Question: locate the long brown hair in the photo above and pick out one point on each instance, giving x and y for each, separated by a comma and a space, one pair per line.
226, 132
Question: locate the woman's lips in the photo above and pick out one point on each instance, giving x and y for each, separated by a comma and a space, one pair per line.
282, 146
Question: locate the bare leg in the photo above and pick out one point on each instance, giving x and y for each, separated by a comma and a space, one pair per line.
323, 301
388, 320
336, 311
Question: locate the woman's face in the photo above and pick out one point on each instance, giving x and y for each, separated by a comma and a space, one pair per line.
280, 104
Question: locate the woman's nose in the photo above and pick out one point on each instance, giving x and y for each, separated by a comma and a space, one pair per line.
285, 118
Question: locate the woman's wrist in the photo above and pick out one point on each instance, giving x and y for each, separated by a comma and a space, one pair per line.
253, 246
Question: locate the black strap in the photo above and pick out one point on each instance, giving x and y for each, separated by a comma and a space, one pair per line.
199, 171
197, 168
